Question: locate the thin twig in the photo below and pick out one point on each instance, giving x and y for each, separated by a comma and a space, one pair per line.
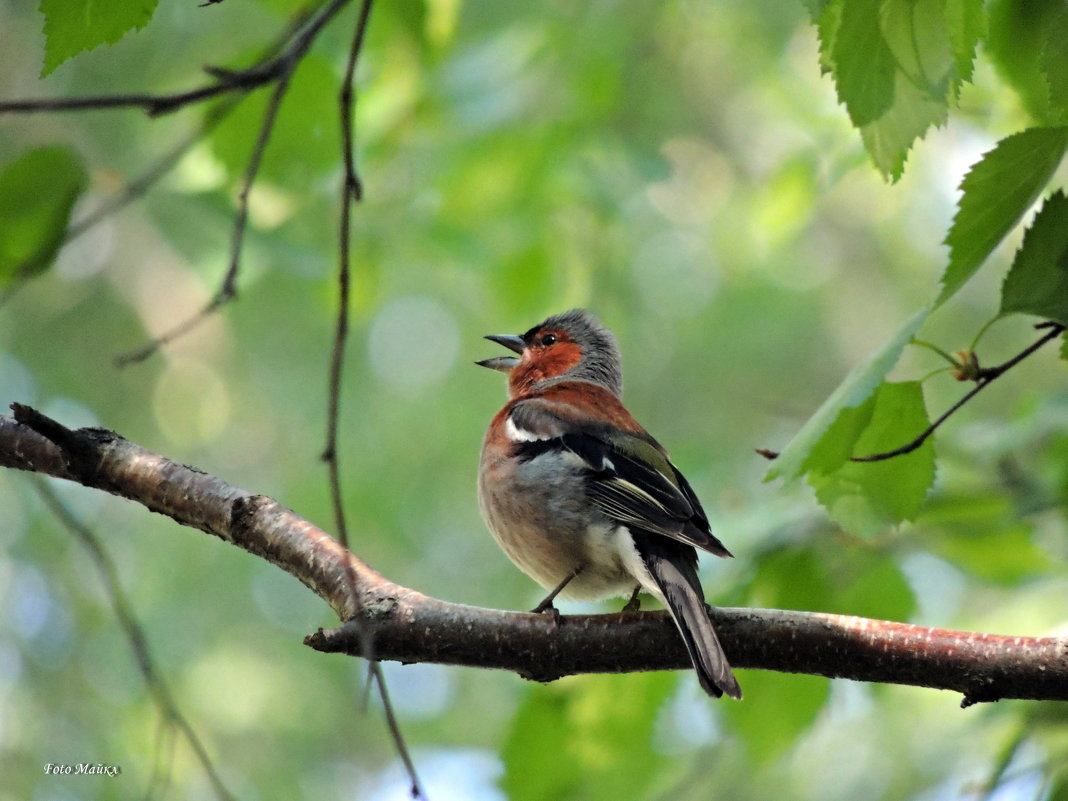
134, 632
228, 289
246, 80
352, 193
394, 729
144, 182
985, 377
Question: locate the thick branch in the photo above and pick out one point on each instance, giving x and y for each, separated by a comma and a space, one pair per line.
410, 627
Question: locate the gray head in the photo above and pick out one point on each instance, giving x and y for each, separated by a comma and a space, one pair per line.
572, 346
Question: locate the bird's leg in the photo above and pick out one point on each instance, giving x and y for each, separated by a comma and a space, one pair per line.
633, 605
547, 604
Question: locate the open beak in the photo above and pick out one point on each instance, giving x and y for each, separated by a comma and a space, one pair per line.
504, 363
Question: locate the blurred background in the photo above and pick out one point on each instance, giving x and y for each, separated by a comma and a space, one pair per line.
682, 169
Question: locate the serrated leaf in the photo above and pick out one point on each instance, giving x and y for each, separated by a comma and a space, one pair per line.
777, 709
998, 189
866, 497
73, 26
603, 724
863, 64
827, 24
37, 192
889, 139
1018, 31
1037, 282
853, 391
966, 25
915, 32
1053, 60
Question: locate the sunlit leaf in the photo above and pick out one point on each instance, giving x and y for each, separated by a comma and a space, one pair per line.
73, 26
966, 25
853, 391
37, 192
1053, 60
1018, 34
1038, 281
997, 191
865, 497
863, 63
889, 138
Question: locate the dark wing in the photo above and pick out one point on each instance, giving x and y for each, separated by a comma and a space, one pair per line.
628, 478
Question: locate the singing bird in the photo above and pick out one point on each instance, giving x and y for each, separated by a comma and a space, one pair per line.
582, 498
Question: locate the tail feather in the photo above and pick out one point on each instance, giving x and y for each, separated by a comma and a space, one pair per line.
673, 569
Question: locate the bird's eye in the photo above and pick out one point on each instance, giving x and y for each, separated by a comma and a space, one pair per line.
548, 339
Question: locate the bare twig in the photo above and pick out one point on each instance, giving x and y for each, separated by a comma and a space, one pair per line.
228, 290
351, 192
415, 789
411, 627
146, 180
984, 377
246, 80
133, 630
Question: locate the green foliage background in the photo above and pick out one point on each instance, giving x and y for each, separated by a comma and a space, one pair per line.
681, 168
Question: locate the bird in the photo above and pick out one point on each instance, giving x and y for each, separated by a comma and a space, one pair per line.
582, 498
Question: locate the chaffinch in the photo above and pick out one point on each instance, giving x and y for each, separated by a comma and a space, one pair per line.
581, 498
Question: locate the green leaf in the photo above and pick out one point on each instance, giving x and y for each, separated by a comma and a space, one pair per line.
966, 25
1016, 43
37, 192
1064, 347
777, 708
602, 726
73, 26
1037, 283
998, 189
916, 33
865, 497
889, 139
853, 391
1053, 61
863, 63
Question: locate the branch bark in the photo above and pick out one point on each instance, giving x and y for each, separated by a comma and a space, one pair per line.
407, 626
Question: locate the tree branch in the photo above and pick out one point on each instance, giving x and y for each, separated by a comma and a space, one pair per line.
245, 80
411, 627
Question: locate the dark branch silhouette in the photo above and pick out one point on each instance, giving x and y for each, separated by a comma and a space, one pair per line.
259, 74
983, 376
410, 627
